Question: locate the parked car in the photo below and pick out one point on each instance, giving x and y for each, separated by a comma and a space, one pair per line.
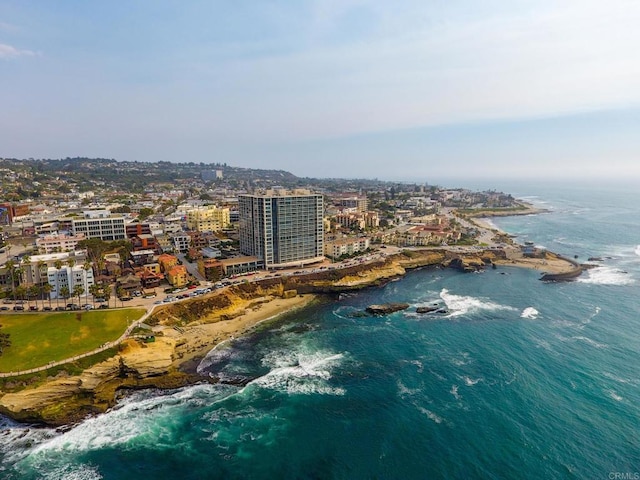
47, 308
33, 308
104, 305
60, 309
4, 308
18, 308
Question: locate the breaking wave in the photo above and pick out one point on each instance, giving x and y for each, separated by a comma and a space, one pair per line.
530, 313
462, 305
300, 373
607, 276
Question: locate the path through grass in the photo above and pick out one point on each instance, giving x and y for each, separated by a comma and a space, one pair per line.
40, 338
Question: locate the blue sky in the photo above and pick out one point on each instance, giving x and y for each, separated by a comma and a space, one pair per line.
342, 88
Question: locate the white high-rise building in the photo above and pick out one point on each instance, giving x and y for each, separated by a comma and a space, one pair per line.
282, 228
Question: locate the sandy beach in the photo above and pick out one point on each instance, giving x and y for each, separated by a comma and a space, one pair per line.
194, 341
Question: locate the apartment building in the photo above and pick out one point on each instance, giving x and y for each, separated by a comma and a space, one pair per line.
345, 246
99, 224
58, 243
209, 218
69, 277
282, 228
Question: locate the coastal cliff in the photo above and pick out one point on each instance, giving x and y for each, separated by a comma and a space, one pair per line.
184, 332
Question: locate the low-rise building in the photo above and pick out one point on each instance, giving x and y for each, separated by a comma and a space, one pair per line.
209, 218
58, 243
181, 242
211, 269
345, 246
69, 277
178, 276
239, 265
167, 262
100, 224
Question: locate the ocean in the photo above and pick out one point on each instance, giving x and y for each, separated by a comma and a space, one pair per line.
518, 379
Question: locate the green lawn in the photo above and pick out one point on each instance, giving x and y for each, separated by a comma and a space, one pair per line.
40, 338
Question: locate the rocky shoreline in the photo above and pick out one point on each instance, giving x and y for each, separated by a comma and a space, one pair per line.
185, 332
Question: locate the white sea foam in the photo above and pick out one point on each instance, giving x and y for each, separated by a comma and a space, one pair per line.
470, 382
69, 472
431, 415
614, 395
540, 343
637, 250
605, 275
134, 420
404, 391
301, 373
530, 313
454, 392
618, 379
418, 364
461, 305
590, 341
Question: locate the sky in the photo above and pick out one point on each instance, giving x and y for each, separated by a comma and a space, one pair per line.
395, 90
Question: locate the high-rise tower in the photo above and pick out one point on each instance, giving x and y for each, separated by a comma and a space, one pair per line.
282, 228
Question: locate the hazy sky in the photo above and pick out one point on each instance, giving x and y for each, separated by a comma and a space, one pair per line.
343, 88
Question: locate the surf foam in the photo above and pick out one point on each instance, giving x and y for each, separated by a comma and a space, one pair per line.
461, 305
607, 276
300, 373
530, 313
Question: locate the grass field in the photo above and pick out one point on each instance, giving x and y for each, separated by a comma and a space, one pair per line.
40, 338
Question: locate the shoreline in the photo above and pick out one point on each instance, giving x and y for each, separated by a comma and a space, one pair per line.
185, 332
204, 338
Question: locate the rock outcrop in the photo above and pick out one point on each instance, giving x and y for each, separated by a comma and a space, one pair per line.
386, 308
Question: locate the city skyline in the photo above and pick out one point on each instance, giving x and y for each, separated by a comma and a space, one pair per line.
328, 89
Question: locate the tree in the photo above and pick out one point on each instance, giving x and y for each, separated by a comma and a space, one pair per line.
95, 247
86, 266
11, 266
46, 289
40, 266
78, 290
95, 292
64, 292
5, 341
106, 291
34, 291
145, 213
120, 294
20, 292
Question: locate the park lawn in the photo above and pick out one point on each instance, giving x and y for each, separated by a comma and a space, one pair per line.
40, 338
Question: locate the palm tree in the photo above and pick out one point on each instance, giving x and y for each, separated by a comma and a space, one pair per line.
11, 266
34, 291
78, 290
26, 260
106, 292
40, 266
46, 289
64, 292
95, 291
21, 292
120, 294
71, 262
86, 266
58, 265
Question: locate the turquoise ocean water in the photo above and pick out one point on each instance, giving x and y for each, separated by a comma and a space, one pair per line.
520, 379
